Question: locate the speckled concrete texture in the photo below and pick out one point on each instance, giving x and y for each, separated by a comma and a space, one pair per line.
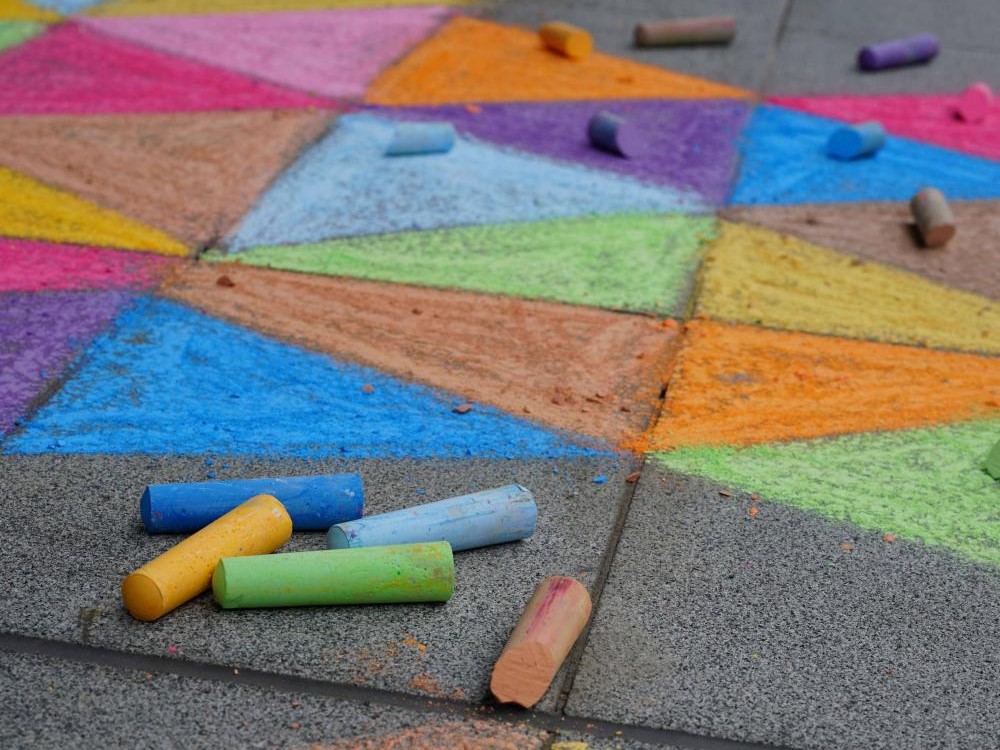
776, 626
742, 63
50, 702
819, 47
70, 531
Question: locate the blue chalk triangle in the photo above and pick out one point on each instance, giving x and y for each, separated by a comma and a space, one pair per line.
346, 186
785, 162
167, 379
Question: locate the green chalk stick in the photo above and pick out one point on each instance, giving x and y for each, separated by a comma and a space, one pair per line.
992, 464
365, 575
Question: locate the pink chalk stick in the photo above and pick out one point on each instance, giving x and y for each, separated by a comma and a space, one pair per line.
930, 119
76, 69
334, 53
30, 266
974, 104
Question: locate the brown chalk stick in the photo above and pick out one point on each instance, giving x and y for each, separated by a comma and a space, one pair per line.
933, 215
547, 630
681, 31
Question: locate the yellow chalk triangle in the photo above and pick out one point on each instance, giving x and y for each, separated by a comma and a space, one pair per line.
31, 209
755, 275
470, 60
16, 10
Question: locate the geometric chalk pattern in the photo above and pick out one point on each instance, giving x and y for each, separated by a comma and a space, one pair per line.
207, 259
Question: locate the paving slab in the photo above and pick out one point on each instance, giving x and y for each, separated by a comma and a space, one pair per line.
741, 63
50, 702
783, 628
70, 528
820, 43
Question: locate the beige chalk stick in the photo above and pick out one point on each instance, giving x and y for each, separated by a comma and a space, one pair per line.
933, 216
566, 39
547, 630
710, 30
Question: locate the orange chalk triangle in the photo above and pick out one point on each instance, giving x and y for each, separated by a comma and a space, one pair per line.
190, 174
740, 385
470, 60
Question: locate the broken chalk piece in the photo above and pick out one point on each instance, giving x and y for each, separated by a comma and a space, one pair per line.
547, 630
566, 39
992, 465
504, 514
413, 138
974, 104
257, 527
708, 30
854, 141
896, 52
314, 502
616, 135
404, 573
933, 216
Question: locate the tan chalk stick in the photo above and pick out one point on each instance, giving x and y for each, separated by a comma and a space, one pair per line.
710, 30
547, 630
933, 216
566, 39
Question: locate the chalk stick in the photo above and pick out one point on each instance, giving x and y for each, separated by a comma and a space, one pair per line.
896, 52
566, 39
314, 502
974, 104
504, 514
614, 134
547, 630
256, 527
992, 465
855, 141
681, 31
403, 573
416, 138
933, 215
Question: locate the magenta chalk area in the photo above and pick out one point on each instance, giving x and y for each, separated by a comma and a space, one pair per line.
331, 53
314, 502
99, 73
504, 514
40, 334
896, 52
30, 266
691, 144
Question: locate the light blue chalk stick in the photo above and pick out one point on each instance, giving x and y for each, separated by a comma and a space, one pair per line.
411, 138
504, 514
855, 141
314, 502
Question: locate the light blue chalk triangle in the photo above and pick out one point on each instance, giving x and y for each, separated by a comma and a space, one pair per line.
166, 379
784, 162
346, 186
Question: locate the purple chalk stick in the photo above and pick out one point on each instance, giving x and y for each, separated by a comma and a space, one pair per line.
611, 133
41, 334
896, 52
692, 144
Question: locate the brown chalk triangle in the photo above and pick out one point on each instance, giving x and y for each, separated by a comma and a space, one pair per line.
591, 371
191, 175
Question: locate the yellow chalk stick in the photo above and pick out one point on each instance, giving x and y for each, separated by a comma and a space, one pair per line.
565, 39
257, 527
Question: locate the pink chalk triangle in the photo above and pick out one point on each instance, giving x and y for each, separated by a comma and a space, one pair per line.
931, 119
76, 69
333, 53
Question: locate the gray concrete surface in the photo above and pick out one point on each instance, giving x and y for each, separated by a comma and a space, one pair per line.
742, 63
821, 40
70, 532
766, 630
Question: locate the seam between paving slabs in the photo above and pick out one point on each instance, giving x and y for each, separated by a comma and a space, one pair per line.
550, 722
772, 56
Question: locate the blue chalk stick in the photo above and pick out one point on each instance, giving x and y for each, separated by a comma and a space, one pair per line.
313, 502
504, 514
855, 141
411, 138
